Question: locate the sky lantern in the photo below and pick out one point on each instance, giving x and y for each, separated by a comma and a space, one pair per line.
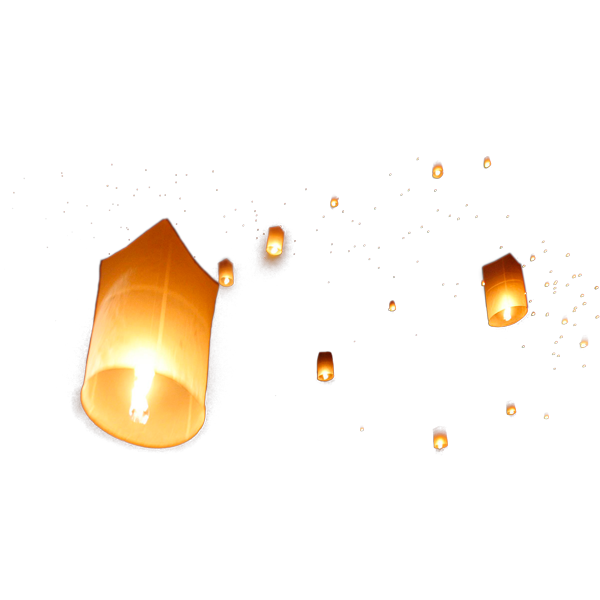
325, 366
226, 273
334, 201
392, 307
147, 364
437, 170
583, 343
511, 409
440, 438
275, 241
505, 296
487, 163
546, 416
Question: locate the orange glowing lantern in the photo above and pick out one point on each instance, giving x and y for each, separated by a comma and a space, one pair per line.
583, 343
226, 273
334, 201
510, 409
147, 364
505, 296
437, 171
487, 163
565, 321
325, 366
440, 438
546, 416
275, 241
392, 307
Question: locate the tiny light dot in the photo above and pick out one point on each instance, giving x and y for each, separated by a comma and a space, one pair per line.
568, 254
362, 428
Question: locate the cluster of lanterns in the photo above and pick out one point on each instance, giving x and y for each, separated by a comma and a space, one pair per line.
147, 364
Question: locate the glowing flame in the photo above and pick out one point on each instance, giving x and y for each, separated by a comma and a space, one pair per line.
565, 321
138, 411
487, 162
274, 250
392, 307
583, 344
511, 410
507, 316
226, 280
438, 171
546, 416
334, 202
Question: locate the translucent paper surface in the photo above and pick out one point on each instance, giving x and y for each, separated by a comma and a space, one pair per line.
226, 273
275, 240
504, 291
325, 366
154, 311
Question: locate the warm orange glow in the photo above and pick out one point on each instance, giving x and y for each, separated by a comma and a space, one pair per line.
334, 201
275, 241
440, 438
325, 366
487, 162
583, 343
392, 307
138, 410
147, 364
226, 273
505, 297
546, 416
565, 321
510, 409
437, 171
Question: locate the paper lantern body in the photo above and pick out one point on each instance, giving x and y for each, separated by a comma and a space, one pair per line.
487, 163
511, 409
504, 291
334, 202
437, 171
325, 366
440, 438
275, 241
226, 273
392, 306
154, 313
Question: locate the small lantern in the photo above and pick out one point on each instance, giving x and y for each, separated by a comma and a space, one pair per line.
546, 416
392, 307
505, 296
583, 343
275, 241
440, 438
437, 171
487, 163
226, 273
334, 201
147, 364
325, 366
565, 321
510, 409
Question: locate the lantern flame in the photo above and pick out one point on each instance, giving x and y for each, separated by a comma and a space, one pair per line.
226, 280
392, 307
507, 316
487, 162
511, 410
438, 171
139, 411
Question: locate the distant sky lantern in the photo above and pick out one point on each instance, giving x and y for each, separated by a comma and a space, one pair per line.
275, 241
334, 201
505, 296
487, 162
437, 171
392, 307
510, 409
546, 416
147, 364
325, 366
226, 273
565, 320
440, 438
583, 343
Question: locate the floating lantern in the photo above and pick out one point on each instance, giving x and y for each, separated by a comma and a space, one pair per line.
546, 416
226, 273
325, 366
505, 296
392, 307
565, 321
487, 163
147, 364
437, 171
510, 409
583, 343
275, 241
440, 438
334, 201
